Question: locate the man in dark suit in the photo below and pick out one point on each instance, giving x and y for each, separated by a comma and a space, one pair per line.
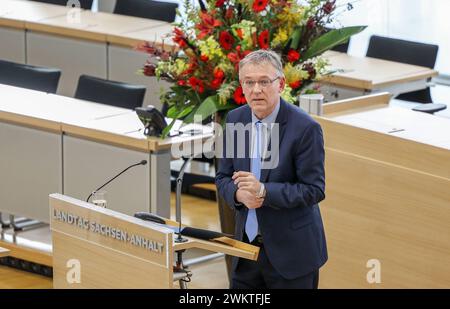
275, 185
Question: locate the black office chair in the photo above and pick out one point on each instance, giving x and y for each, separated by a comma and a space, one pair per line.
29, 76
85, 4
343, 48
110, 92
159, 10
411, 53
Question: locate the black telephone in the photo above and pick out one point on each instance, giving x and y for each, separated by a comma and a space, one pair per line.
152, 119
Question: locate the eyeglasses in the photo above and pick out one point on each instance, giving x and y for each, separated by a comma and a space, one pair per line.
263, 83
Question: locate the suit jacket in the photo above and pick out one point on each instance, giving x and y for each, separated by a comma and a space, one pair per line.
289, 219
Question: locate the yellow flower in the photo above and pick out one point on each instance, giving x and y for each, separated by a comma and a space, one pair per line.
161, 67
287, 95
280, 37
294, 73
180, 66
291, 16
245, 30
226, 66
321, 66
210, 48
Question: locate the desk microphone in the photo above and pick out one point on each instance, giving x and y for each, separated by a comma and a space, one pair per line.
143, 162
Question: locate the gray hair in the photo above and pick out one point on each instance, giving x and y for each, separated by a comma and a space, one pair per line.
263, 56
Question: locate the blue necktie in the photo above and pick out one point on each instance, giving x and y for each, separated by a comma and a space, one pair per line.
251, 226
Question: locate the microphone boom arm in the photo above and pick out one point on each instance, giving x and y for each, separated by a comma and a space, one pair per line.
143, 162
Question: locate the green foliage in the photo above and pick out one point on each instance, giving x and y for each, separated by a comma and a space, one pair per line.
330, 39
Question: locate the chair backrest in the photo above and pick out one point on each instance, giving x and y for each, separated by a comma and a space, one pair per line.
402, 51
85, 4
110, 92
29, 76
343, 48
159, 10
406, 52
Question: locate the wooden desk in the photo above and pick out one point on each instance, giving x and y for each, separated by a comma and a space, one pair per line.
30, 123
22, 105
388, 198
13, 15
358, 76
156, 34
76, 146
122, 57
99, 44
404, 123
95, 26
78, 48
3, 252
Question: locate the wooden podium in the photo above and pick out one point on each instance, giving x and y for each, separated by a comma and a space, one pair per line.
94, 247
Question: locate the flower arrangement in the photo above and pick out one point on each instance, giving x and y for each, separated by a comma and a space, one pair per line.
215, 35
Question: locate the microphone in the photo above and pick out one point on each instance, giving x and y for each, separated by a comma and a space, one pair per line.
146, 216
143, 162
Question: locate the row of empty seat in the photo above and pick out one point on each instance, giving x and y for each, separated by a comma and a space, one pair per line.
131, 96
89, 88
159, 10
408, 52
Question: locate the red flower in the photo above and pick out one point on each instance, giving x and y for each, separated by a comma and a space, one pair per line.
233, 57
293, 55
226, 40
204, 58
259, 5
239, 33
311, 23
178, 31
215, 84
207, 24
179, 37
146, 47
149, 69
328, 7
311, 71
296, 84
181, 82
219, 3
196, 84
239, 97
229, 13
191, 68
263, 39
218, 74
